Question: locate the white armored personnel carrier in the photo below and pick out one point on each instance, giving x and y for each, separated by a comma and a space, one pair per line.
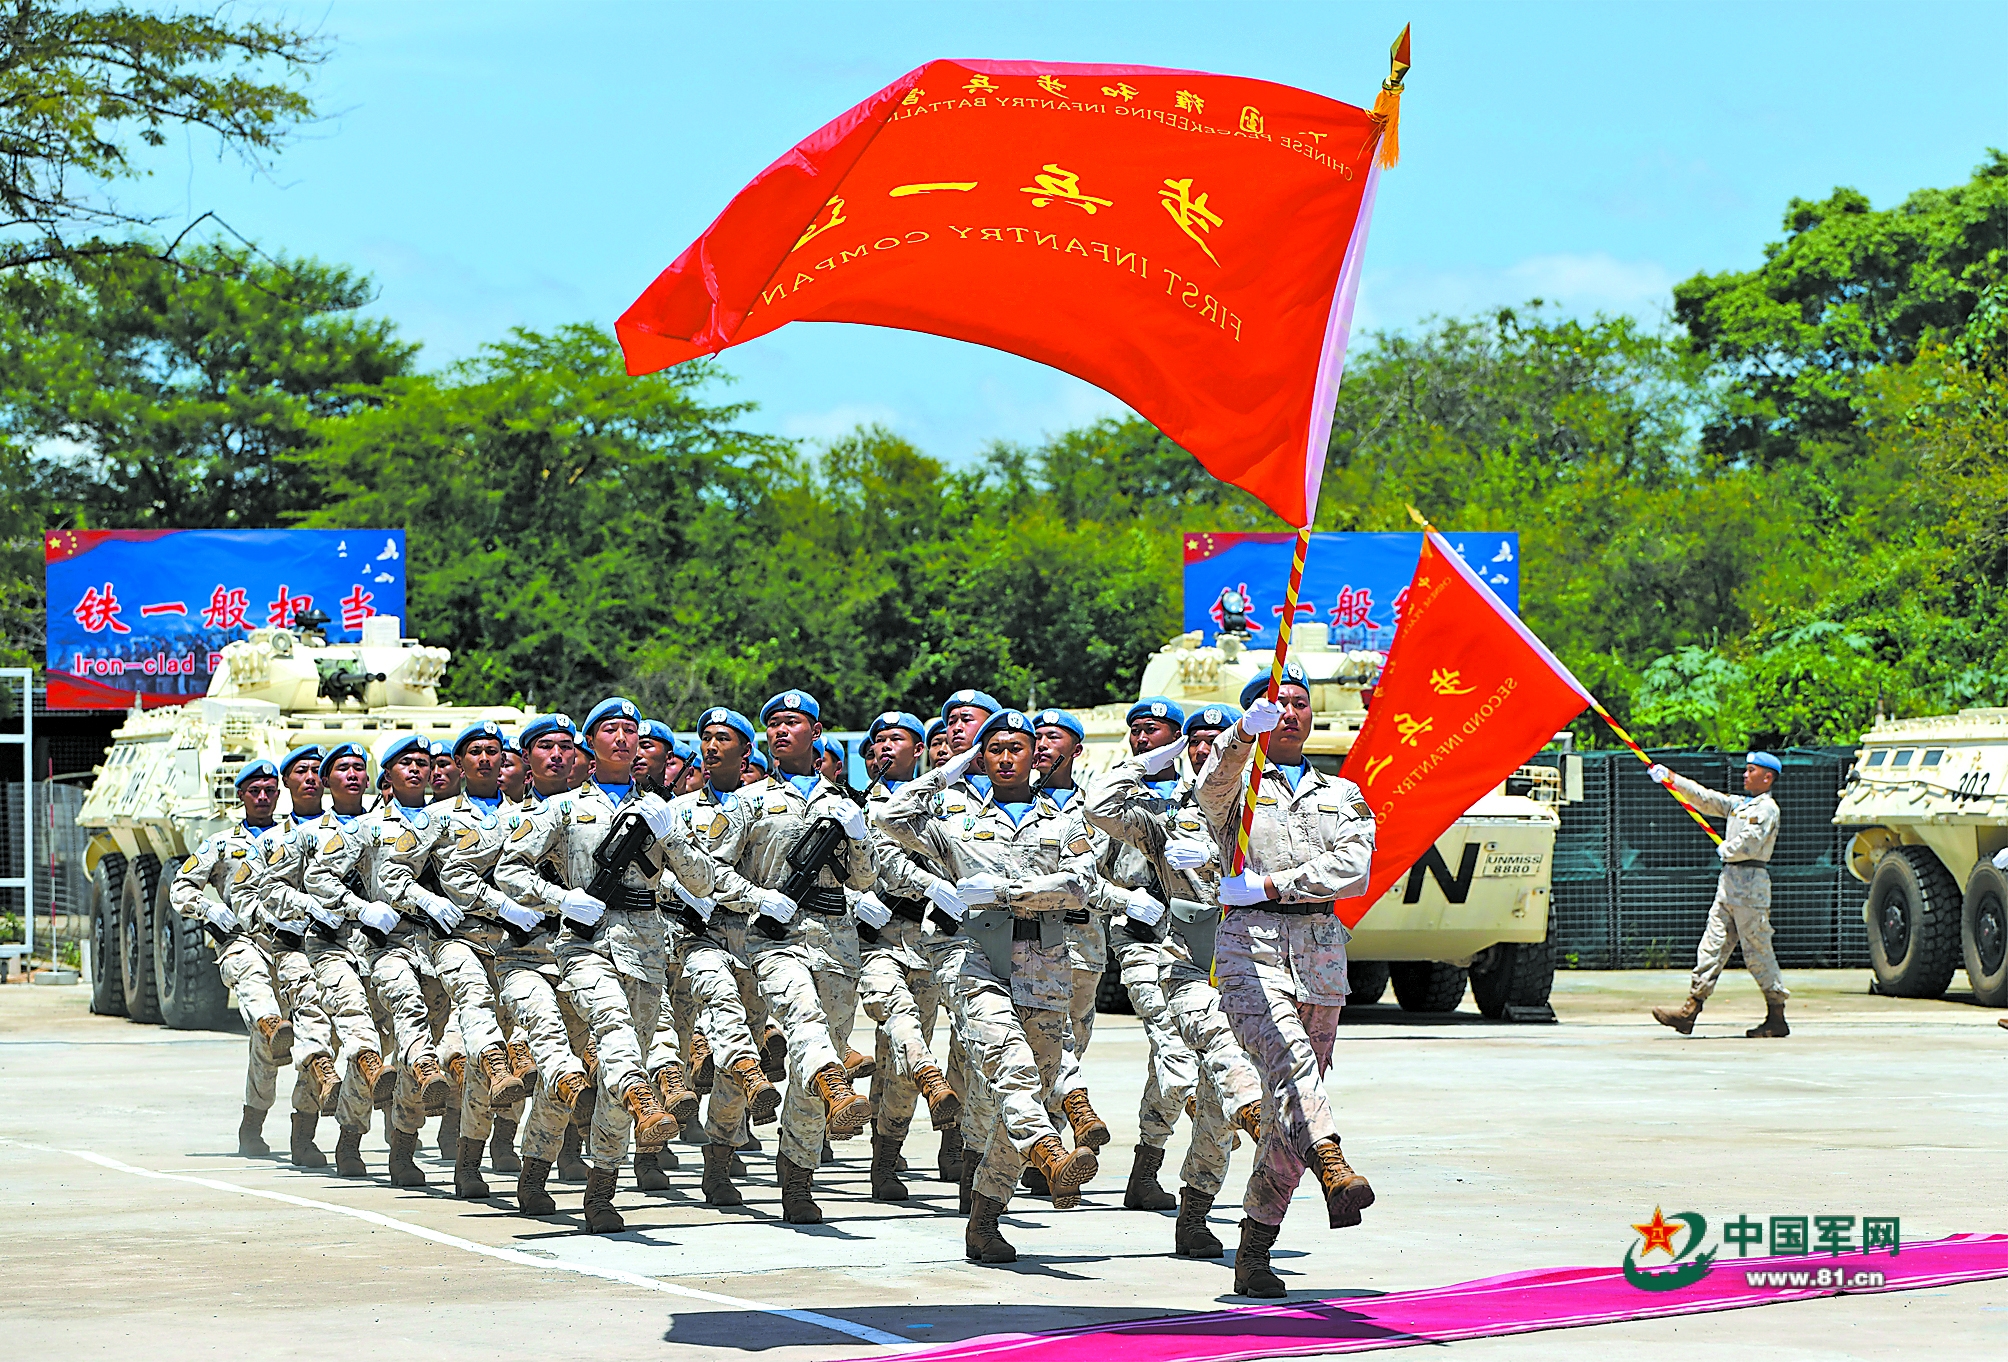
1930, 797
1474, 910
169, 781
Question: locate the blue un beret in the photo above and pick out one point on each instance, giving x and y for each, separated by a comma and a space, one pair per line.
1293, 675
1059, 718
731, 718
614, 707
799, 701
898, 718
659, 731
934, 728
1766, 760
340, 750
398, 747
759, 761
481, 728
1008, 720
510, 744
1213, 716
968, 697
311, 752
253, 770
543, 726
687, 751
1155, 707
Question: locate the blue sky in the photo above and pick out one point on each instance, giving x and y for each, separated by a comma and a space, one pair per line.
499, 164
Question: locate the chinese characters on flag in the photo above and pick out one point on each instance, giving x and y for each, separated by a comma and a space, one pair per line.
1185, 241
1468, 694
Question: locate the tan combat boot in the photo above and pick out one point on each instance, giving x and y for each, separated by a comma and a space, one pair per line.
1249, 1118
679, 1099
717, 1181
456, 1069
653, 1127
763, 1099
524, 1063
531, 1196
467, 1181
404, 1169
1065, 1173
304, 1153
504, 1088
502, 1155
1252, 1274
277, 1034
844, 1112
601, 1217
370, 1069
566, 1092
430, 1080
648, 1174
1191, 1238
570, 1166
349, 1153
944, 1108
774, 1053
948, 1160
982, 1241
798, 1203
1773, 1025
1346, 1192
323, 1083
886, 1185
703, 1068
1090, 1131
449, 1132
858, 1066
1145, 1192
1679, 1018
251, 1135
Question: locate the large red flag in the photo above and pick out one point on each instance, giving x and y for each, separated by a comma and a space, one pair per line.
1188, 242
1467, 695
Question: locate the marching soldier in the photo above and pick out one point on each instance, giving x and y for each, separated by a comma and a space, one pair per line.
1742, 908
804, 955
897, 981
935, 741
515, 774
609, 952
1153, 810
232, 864
300, 772
445, 772
1281, 956
1022, 864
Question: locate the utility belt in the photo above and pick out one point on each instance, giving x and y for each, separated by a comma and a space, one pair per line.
1288, 909
1025, 929
825, 901
1076, 917
907, 910
632, 898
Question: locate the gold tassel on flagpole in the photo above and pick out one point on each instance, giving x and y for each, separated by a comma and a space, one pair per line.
1387, 104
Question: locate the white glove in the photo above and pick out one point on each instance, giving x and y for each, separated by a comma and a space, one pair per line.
522, 919
323, 916
1262, 716
1187, 853
2001, 859
448, 917
220, 917
1238, 891
775, 904
381, 916
292, 928
1658, 773
1142, 907
958, 765
702, 907
1160, 758
655, 812
943, 896
873, 913
581, 908
981, 888
855, 826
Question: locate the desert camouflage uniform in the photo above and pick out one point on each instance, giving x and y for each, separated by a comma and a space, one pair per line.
269, 980
1283, 975
1013, 1032
1742, 908
897, 983
1146, 817
749, 839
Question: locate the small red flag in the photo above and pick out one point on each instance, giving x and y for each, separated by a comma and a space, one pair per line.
1188, 242
1468, 694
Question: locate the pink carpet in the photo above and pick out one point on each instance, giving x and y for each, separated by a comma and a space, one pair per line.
1517, 1303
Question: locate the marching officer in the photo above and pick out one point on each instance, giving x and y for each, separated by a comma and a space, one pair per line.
1281, 955
1742, 908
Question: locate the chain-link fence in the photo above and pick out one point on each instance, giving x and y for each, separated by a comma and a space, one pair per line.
62, 891
1634, 877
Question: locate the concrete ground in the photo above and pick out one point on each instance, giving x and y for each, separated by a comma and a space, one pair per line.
1493, 1148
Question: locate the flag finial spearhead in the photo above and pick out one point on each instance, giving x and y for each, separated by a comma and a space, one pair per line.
1387, 104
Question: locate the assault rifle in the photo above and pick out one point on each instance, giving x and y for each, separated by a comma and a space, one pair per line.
627, 843
820, 847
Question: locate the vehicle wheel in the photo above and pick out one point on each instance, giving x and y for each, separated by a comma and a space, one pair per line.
107, 979
1111, 996
1512, 974
1426, 986
191, 992
1983, 935
1913, 924
1366, 981
136, 940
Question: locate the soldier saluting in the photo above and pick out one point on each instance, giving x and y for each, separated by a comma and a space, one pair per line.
1742, 907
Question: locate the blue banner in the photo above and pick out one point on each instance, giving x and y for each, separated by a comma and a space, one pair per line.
1353, 583
146, 613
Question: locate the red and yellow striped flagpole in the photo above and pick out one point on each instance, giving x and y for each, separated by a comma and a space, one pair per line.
1275, 681
1667, 784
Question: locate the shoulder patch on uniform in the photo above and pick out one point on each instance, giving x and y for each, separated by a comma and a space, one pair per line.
274, 852
188, 866
243, 873
1359, 806
407, 841
719, 822
1080, 846
467, 841
522, 830
332, 845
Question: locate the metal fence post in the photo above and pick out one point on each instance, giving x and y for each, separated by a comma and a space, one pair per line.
25, 740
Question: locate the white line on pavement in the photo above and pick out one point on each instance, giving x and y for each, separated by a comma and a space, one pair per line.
612, 1274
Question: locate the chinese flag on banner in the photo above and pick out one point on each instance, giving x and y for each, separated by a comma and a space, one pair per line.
1468, 694
1188, 242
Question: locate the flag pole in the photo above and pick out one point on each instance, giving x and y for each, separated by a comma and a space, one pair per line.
1275, 682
